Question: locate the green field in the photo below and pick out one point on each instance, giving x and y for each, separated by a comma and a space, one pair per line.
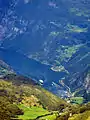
34, 112
49, 117
77, 100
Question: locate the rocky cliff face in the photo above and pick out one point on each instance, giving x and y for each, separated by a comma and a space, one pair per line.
80, 84
87, 81
5, 69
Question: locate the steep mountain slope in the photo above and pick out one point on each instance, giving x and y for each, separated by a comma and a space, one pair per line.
22, 98
81, 84
54, 33
5, 69
80, 80
19, 89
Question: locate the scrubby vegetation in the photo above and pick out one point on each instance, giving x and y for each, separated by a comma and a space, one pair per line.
22, 98
8, 110
75, 112
18, 91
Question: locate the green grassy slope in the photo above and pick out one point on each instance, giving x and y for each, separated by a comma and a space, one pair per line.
27, 87
21, 98
28, 97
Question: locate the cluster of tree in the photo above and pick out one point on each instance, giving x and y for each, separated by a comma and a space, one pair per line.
72, 110
9, 97
13, 92
8, 110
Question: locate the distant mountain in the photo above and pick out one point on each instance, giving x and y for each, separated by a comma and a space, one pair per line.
48, 41
80, 83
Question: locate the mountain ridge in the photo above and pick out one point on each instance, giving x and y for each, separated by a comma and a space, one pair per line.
59, 34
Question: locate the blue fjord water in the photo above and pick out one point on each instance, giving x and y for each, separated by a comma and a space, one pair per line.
28, 32
29, 67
